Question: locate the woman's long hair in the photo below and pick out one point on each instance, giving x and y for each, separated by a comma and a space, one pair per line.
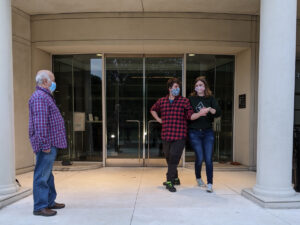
207, 91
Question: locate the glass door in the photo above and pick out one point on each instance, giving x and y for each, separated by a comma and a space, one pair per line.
133, 85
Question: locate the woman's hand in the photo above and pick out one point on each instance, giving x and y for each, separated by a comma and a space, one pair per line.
204, 111
212, 110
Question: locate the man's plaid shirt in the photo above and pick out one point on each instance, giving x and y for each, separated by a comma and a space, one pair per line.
174, 117
46, 125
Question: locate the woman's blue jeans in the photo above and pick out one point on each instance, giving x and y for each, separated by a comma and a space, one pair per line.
44, 192
202, 141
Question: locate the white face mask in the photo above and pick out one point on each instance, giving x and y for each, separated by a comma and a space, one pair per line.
200, 89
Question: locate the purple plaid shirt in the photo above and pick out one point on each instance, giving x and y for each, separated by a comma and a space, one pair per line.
46, 125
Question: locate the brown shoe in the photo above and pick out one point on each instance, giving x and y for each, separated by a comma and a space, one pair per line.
57, 206
45, 212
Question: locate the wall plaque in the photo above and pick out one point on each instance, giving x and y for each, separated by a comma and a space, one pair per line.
242, 101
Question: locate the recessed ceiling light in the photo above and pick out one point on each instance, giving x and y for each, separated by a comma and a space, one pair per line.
98, 54
191, 54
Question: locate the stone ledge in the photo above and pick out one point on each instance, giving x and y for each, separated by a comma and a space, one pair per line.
24, 170
223, 167
272, 202
77, 166
11, 198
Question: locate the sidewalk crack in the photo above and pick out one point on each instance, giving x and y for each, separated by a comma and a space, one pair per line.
136, 197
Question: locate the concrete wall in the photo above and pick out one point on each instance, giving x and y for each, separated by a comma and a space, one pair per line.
40, 60
22, 88
143, 33
27, 60
241, 143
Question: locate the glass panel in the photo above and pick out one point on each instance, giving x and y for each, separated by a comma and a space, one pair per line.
62, 68
79, 97
198, 65
87, 107
124, 105
158, 71
223, 92
219, 72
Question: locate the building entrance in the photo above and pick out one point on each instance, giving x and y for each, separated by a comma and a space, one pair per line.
106, 103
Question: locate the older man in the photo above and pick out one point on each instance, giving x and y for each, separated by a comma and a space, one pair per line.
46, 133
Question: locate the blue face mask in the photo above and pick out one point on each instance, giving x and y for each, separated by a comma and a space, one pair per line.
175, 91
52, 87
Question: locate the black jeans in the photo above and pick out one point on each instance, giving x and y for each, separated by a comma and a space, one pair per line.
173, 151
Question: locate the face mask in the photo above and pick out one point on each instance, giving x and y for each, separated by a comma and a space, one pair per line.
175, 91
52, 87
199, 89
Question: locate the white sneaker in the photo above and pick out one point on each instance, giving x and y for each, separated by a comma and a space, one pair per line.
209, 188
200, 183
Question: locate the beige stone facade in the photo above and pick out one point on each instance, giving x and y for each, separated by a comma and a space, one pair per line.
136, 33
229, 27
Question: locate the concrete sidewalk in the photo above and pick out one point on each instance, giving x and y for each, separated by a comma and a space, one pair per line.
136, 196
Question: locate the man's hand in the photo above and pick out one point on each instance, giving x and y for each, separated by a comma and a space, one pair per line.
156, 117
47, 151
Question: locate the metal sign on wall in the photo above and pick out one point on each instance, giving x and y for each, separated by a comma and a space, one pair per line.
242, 101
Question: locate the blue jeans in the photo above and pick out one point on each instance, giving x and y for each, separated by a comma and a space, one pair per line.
44, 193
202, 141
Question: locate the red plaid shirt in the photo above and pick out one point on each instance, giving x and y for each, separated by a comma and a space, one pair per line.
46, 125
174, 117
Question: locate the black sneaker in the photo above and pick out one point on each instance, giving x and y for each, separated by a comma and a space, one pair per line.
176, 181
170, 186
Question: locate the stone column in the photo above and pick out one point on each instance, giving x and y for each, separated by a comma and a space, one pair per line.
277, 55
7, 150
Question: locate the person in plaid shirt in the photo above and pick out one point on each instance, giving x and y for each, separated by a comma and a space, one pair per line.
46, 134
174, 111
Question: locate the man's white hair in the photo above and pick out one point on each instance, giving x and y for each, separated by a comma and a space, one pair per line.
41, 76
